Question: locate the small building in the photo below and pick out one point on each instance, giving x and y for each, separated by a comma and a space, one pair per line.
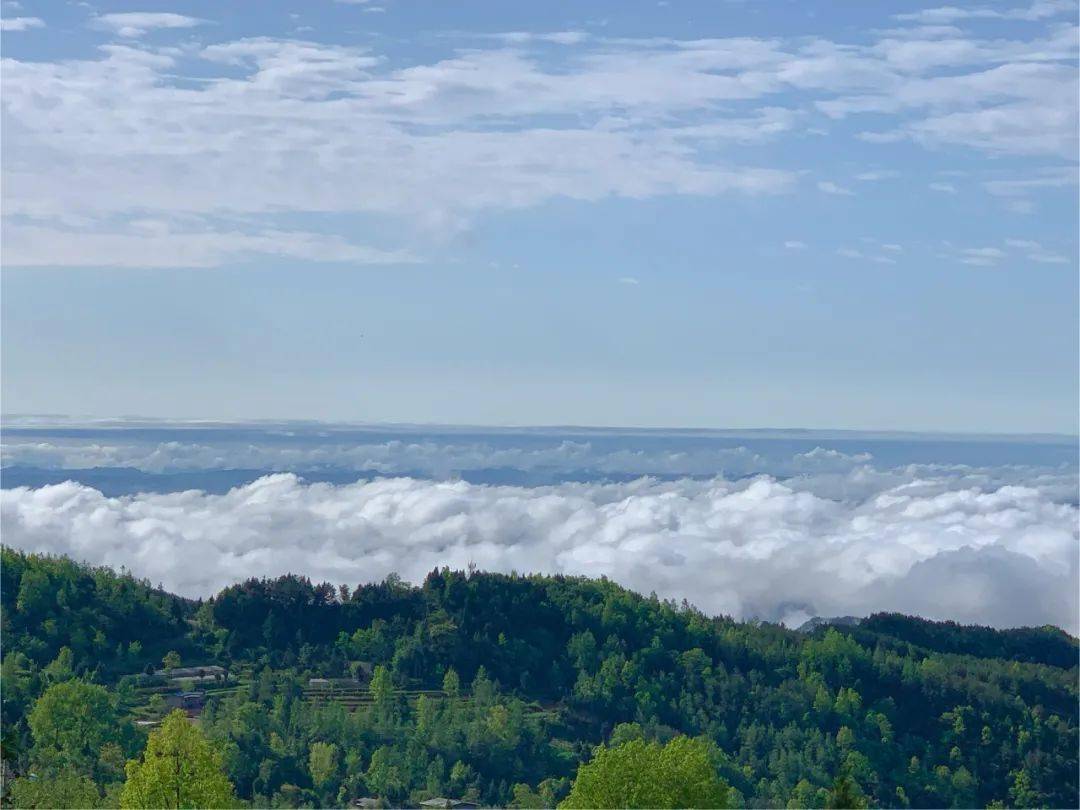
207, 673
448, 804
366, 802
188, 701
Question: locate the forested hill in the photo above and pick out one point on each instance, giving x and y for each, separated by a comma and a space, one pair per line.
495, 688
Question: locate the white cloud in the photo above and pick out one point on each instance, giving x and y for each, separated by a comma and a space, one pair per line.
944, 188
556, 37
275, 125
133, 24
1047, 178
981, 256
1039, 10
1045, 257
155, 243
309, 127
878, 174
1036, 252
1025, 107
629, 280
830, 187
888, 257
753, 548
21, 23
795, 244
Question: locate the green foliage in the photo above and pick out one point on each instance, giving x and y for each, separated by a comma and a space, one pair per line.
644, 774
496, 688
72, 723
323, 763
845, 793
171, 660
178, 769
54, 792
451, 684
49, 603
1036, 645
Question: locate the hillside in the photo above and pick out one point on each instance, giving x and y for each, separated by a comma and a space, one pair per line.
495, 687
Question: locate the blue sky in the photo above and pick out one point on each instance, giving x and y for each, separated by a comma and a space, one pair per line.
834, 215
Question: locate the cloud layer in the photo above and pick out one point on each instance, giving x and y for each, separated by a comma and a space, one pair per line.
755, 548
223, 138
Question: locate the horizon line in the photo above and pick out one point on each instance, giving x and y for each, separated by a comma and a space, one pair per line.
119, 421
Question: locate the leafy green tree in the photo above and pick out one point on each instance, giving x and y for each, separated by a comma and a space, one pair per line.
525, 797
805, 795
70, 723
1021, 792
61, 668
54, 792
647, 774
384, 699
19, 686
845, 793
178, 769
384, 775
171, 660
624, 733
323, 764
451, 683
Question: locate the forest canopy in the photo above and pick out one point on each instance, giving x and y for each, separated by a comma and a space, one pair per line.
511, 690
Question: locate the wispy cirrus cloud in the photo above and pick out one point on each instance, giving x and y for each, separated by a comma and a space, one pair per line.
1039, 10
133, 24
156, 243
279, 125
20, 23
829, 187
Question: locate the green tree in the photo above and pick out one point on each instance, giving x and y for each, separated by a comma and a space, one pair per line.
451, 684
525, 797
1021, 792
171, 660
61, 668
845, 793
178, 769
647, 774
71, 722
384, 701
323, 764
383, 775
54, 792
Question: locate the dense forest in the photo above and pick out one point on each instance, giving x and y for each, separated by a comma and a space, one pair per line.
509, 690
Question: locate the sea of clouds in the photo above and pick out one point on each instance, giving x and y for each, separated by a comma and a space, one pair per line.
822, 533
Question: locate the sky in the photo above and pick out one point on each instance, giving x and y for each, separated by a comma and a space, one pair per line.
687, 214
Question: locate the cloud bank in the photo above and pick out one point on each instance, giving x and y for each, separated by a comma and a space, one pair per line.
754, 548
